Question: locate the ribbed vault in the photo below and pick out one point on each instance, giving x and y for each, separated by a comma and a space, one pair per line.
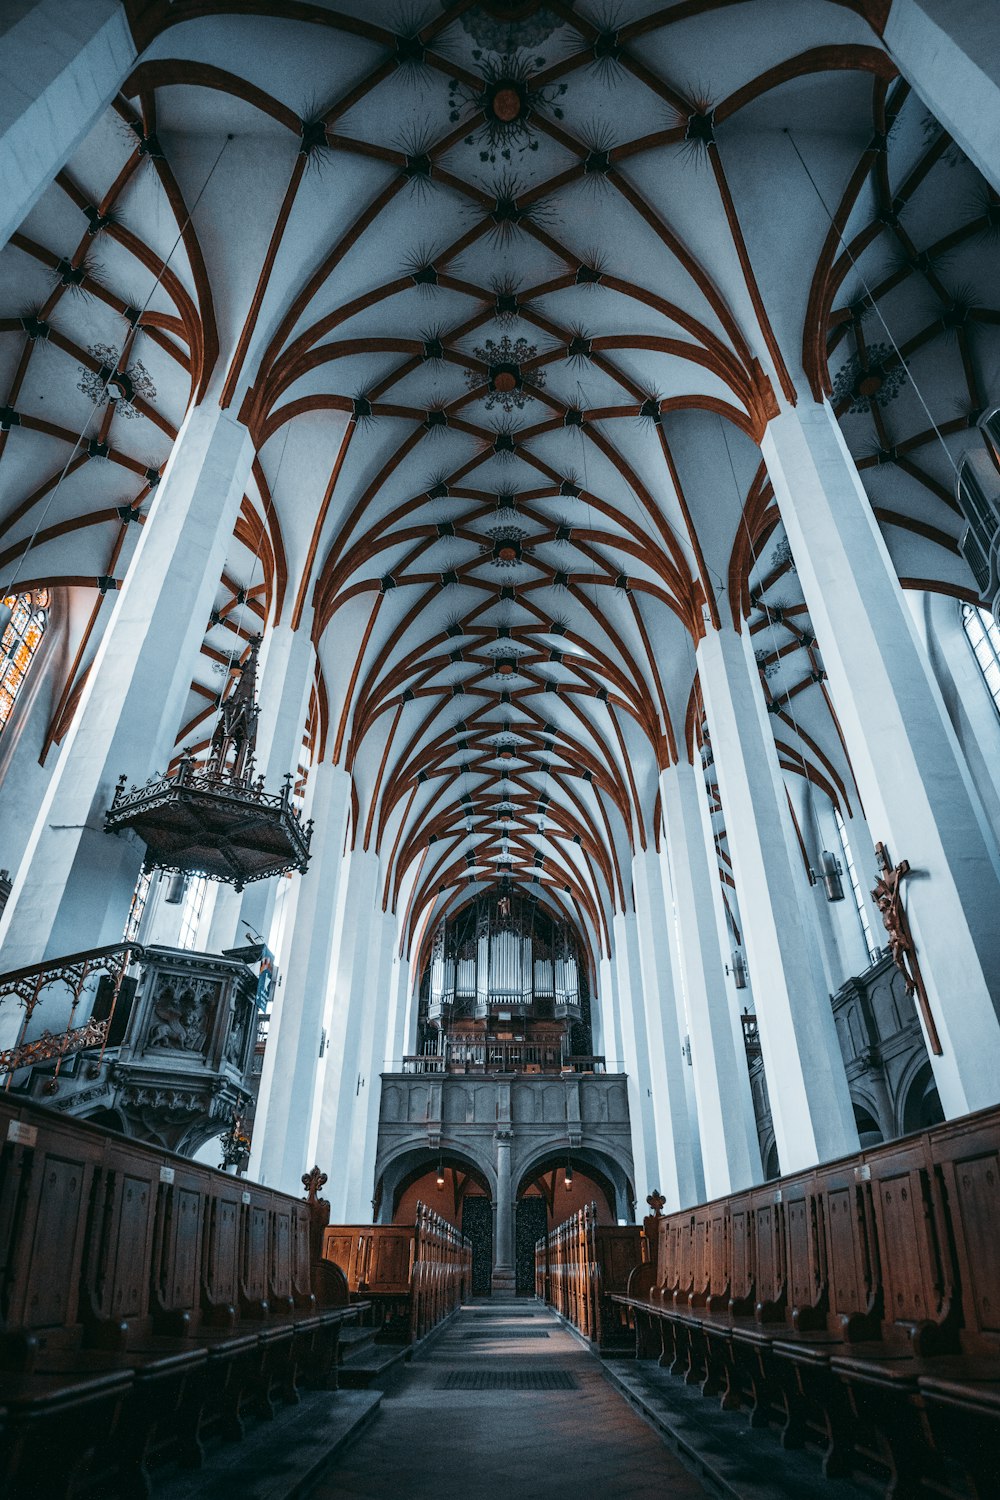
506, 295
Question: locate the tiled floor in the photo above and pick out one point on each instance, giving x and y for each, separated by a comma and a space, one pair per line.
432, 1443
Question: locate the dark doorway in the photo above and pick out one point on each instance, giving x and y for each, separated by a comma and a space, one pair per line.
530, 1223
477, 1225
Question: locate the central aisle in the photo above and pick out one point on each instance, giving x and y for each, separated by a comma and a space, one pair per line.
507, 1402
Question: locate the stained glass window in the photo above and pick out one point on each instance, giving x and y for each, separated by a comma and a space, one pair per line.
194, 903
859, 900
139, 898
21, 639
984, 638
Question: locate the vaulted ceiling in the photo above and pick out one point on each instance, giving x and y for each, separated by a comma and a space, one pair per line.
506, 294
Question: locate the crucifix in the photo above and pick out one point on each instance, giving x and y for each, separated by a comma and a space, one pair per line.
887, 896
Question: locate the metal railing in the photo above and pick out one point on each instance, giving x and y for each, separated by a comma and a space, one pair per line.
501, 1057
71, 977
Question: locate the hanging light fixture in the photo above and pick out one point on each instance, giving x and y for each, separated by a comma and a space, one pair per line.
738, 970
832, 871
440, 1173
568, 1179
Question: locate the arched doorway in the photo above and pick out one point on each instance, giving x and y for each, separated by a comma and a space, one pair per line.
548, 1193
460, 1194
922, 1104
869, 1129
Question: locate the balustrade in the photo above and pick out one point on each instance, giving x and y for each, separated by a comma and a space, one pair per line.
478, 1056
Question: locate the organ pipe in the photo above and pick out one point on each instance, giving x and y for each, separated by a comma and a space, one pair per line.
503, 960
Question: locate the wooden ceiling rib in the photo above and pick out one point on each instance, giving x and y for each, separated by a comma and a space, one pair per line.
385, 257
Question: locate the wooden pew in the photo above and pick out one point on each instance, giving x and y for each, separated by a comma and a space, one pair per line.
587, 1267
855, 1306
410, 1276
149, 1302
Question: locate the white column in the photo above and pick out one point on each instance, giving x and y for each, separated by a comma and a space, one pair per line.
727, 1126
810, 1103
402, 1014
292, 1056
947, 49
75, 881
503, 1252
635, 1053
61, 64
611, 1032
597, 1045
360, 1162
675, 1149
285, 682
915, 786
350, 989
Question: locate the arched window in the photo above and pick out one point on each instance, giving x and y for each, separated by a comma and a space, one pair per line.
21, 639
984, 638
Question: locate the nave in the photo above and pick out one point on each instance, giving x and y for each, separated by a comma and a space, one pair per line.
507, 1401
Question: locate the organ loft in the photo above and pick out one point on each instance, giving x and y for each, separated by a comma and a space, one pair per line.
499, 748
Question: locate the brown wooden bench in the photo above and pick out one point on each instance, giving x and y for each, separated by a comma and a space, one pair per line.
147, 1303
583, 1269
410, 1276
856, 1305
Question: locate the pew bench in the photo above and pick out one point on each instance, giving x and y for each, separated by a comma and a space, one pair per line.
850, 1307
150, 1305
408, 1277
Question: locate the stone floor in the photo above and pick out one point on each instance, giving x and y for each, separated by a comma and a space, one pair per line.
433, 1439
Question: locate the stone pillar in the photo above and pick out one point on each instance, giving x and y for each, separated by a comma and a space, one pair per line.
916, 789
402, 1016
504, 1279
947, 49
285, 683
350, 991
61, 64
75, 882
675, 1143
727, 1126
635, 1052
611, 1032
292, 1060
811, 1105
360, 1162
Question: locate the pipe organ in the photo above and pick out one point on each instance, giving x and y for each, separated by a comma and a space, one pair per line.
503, 957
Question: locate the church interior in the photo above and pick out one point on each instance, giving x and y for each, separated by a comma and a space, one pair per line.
499, 749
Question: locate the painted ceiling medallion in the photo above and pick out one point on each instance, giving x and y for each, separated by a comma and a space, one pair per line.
109, 383
509, 384
504, 25
505, 102
508, 547
879, 379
